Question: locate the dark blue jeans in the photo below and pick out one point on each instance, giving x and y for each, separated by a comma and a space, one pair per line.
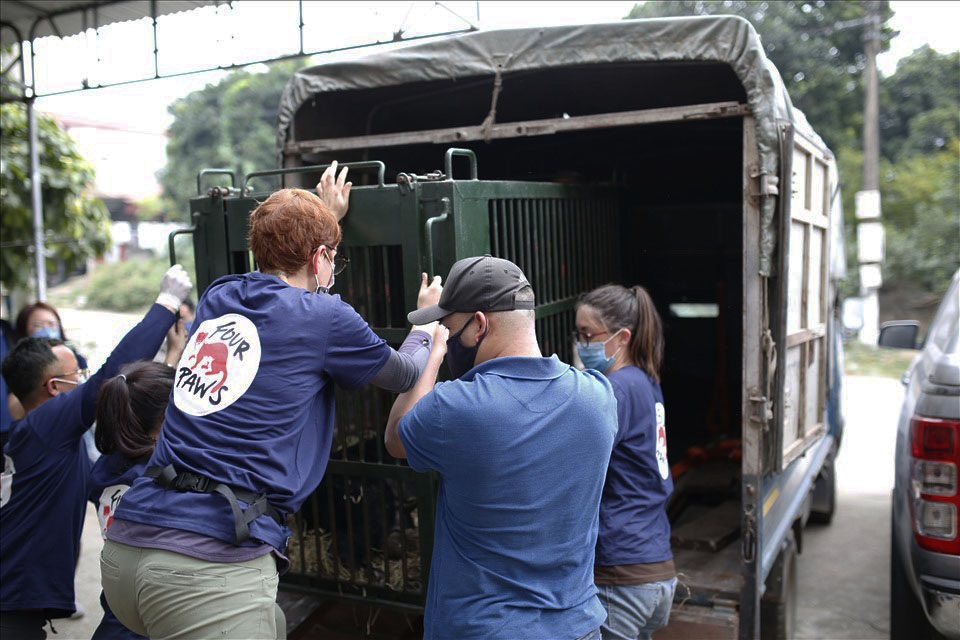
593, 635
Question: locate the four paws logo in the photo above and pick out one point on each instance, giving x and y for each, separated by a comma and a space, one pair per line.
218, 365
662, 464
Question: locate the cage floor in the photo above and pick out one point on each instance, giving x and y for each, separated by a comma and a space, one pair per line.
309, 618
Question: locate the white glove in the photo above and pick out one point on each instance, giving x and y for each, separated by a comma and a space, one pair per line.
174, 288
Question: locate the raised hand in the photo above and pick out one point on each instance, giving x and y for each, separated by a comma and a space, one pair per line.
176, 342
429, 293
334, 190
439, 349
174, 288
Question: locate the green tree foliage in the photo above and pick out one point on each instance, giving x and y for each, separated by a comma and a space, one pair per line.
850, 169
921, 217
814, 44
921, 209
77, 226
817, 47
920, 170
920, 103
154, 209
230, 125
141, 281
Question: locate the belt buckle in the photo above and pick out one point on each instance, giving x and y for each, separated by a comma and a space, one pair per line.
191, 482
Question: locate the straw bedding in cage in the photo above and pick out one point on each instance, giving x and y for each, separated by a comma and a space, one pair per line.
312, 552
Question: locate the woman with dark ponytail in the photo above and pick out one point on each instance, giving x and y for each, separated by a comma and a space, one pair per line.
619, 333
130, 410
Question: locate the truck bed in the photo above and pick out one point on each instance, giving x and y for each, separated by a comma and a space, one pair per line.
704, 575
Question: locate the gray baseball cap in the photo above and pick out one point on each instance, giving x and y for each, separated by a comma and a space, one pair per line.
480, 283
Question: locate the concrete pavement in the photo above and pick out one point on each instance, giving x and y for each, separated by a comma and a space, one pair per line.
87, 585
844, 569
96, 333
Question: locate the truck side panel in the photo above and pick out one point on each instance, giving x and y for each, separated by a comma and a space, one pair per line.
804, 351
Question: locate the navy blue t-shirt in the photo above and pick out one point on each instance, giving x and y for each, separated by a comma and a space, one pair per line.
634, 528
6, 337
253, 403
42, 522
110, 478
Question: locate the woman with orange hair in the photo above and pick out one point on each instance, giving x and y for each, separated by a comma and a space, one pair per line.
195, 546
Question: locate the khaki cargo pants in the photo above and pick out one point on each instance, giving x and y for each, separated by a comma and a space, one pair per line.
166, 595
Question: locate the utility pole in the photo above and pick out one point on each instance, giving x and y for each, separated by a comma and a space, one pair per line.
870, 236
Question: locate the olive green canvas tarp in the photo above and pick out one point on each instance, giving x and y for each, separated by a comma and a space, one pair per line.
729, 40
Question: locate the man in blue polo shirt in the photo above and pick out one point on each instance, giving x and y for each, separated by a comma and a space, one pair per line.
521, 443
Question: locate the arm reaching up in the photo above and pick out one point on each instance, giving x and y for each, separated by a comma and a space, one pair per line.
176, 342
143, 341
174, 288
334, 190
406, 365
405, 401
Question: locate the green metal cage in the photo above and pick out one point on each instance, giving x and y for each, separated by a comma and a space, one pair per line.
366, 533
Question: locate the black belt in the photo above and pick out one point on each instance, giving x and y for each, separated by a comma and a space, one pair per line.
169, 478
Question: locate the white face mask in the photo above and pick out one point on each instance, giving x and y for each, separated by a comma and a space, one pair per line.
333, 279
320, 287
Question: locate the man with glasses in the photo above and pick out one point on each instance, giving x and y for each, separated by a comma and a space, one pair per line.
195, 548
46, 467
521, 443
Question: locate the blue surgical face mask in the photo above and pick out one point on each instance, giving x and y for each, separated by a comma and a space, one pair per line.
593, 355
460, 358
47, 332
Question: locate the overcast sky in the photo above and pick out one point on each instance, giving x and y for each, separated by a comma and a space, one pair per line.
143, 106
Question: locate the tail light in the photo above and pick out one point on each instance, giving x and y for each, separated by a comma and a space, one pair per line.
935, 445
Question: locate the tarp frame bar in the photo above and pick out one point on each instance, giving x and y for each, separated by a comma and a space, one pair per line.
26, 92
522, 129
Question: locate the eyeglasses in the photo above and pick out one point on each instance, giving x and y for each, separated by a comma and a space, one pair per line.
339, 262
586, 337
82, 374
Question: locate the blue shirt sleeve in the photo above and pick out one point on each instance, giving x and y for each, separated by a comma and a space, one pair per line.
421, 432
140, 343
62, 420
354, 352
623, 412
635, 406
5, 418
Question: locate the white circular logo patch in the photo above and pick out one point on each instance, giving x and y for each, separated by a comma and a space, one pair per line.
107, 506
662, 441
6, 478
217, 367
